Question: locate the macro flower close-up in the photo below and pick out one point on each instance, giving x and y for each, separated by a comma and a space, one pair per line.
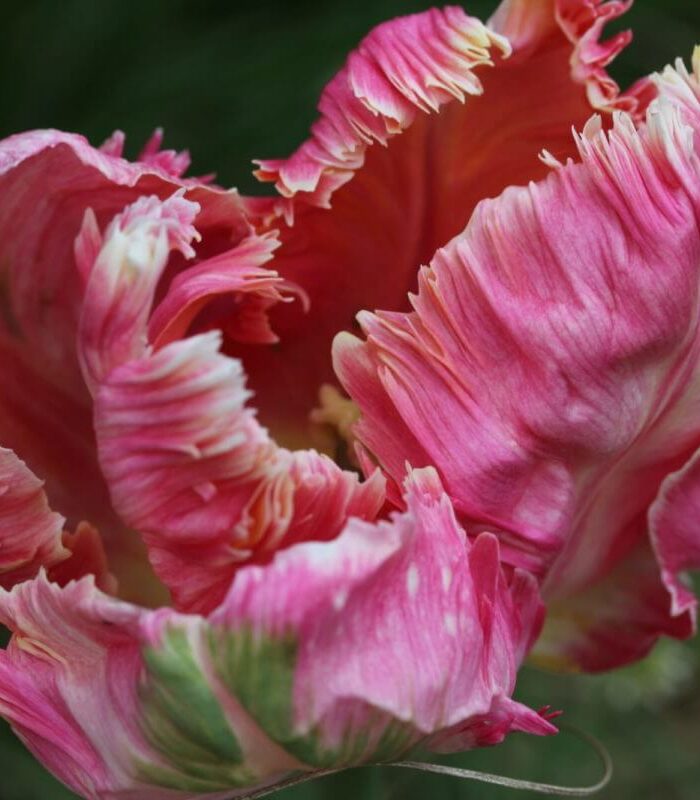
297, 479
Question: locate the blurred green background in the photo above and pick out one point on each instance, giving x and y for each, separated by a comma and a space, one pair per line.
237, 80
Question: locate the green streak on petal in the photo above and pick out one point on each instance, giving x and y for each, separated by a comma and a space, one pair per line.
184, 723
258, 668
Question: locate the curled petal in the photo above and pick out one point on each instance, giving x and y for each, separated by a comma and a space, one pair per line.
377, 598
548, 367
237, 273
123, 280
472, 117
47, 176
47, 181
186, 461
189, 466
30, 533
414, 63
673, 519
358, 649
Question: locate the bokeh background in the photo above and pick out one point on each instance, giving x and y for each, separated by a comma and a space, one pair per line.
233, 81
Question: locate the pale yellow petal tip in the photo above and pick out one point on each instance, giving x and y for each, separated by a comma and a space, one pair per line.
695, 61
549, 160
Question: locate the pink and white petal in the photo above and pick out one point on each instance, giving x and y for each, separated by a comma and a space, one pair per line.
471, 122
30, 533
123, 280
139, 259
681, 87
548, 368
189, 467
49, 177
47, 181
109, 714
69, 679
385, 637
367, 605
187, 463
238, 274
409, 65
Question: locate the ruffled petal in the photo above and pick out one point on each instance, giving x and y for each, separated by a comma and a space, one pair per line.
529, 23
69, 682
186, 461
472, 119
376, 599
411, 64
191, 469
237, 275
47, 176
337, 653
30, 533
549, 368
48, 181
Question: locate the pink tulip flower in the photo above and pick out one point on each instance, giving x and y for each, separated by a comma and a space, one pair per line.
204, 595
122, 396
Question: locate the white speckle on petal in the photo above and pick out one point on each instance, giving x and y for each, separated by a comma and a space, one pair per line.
450, 624
446, 575
412, 580
339, 599
207, 490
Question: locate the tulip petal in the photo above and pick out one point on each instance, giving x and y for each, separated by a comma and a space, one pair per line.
526, 23
335, 653
616, 621
191, 469
472, 119
548, 368
673, 520
50, 175
186, 461
30, 533
237, 273
47, 179
378, 598
69, 680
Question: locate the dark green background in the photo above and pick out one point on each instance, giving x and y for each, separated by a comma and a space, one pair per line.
233, 81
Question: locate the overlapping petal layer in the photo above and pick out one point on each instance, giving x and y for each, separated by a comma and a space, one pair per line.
187, 464
473, 105
30, 533
303, 666
47, 181
549, 367
548, 370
